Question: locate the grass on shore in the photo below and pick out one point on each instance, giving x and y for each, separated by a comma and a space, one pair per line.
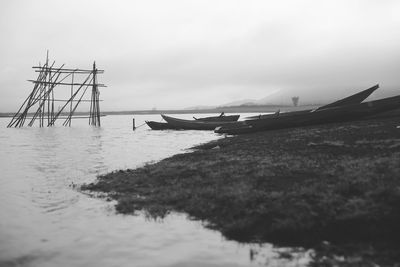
335, 182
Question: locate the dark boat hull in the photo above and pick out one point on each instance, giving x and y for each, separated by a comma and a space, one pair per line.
194, 124
160, 125
328, 115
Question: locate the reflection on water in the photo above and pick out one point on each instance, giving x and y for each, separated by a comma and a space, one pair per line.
46, 222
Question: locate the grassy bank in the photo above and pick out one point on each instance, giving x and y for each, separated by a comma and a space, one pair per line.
336, 182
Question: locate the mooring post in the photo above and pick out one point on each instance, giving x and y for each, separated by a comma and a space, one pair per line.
133, 124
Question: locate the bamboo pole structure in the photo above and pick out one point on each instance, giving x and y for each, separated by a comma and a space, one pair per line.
42, 98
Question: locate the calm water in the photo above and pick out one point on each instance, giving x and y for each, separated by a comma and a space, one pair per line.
45, 221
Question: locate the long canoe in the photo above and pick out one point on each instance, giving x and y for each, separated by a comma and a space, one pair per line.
328, 115
353, 99
221, 117
154, 125
194, 124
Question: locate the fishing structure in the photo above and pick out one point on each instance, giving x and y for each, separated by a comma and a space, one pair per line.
40, 104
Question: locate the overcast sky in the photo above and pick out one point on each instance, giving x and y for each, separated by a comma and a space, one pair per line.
181, 53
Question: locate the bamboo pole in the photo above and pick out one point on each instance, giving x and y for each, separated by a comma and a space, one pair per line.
94, 95
97, 102
43, 91
64, 100
52, 104
48, 101
65, 70
91, 106
72, 92
98, 106
61, 83
95, 98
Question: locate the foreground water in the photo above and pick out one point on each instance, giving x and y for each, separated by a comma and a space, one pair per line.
46, 221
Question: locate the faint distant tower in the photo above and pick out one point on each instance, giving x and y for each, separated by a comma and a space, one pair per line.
295, 100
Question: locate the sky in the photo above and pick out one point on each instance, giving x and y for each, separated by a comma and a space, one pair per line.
183, 53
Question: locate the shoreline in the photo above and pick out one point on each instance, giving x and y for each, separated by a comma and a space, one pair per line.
216, 110
293, 187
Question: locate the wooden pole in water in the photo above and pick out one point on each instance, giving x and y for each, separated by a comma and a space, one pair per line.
91, 105
48, 101
94, 104
97, 95
72, 93
133, 124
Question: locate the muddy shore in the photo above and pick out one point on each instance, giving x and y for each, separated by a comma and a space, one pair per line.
334, 188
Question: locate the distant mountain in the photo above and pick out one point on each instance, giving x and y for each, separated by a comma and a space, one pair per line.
274, 98
239, 103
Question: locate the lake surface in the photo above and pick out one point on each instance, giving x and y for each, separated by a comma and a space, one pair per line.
46, 221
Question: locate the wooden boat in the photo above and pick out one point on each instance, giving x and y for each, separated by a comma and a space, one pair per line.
154, 125
167, 126
353, 99
327, 115
194, 124
221, 117
230, 122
